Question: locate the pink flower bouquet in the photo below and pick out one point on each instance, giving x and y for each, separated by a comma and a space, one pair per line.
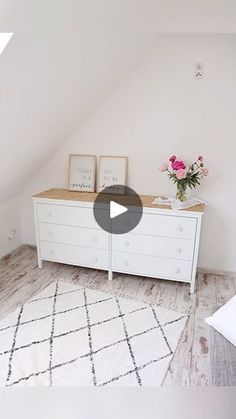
184, 176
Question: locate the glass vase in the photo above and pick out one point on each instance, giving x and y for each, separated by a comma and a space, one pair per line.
181, 193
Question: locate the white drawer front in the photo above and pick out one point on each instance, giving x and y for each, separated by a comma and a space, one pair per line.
74, 255
73, 235
156, 267
155, 246
162, 225
72, 216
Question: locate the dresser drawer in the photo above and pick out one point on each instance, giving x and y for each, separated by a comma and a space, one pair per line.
67, 215
163, 225
87, 237
74, 255
179, 270
153, 245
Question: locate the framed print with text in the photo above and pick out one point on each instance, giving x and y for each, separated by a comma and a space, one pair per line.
112, 171
82, 173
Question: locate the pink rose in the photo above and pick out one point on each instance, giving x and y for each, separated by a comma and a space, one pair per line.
163, 167
181, 174
204, 171
200, 158
172, 158
178, 164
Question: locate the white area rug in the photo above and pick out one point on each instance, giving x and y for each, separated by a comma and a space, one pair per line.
68, 335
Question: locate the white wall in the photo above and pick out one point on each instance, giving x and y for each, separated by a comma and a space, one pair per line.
158, 110
10, 220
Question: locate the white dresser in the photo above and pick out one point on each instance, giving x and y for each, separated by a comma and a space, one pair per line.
164, 244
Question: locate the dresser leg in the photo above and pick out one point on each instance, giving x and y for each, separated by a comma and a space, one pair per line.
109, 275
192, 286
40, 263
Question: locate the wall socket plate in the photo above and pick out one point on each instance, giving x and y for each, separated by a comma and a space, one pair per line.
199, 71
12, 234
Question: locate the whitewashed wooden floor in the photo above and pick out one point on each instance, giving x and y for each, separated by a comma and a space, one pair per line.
203, 358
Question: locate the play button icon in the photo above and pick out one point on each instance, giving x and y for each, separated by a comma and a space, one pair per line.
116, 209
117, 213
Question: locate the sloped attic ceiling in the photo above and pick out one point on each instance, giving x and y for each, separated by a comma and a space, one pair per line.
49, 82
48, 85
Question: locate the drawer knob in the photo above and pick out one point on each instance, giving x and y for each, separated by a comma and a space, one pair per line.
180, 228
126, 263
49, 213
179, 250
177, 271
95, 259
126, 243
95, 239
51, 252
50, 233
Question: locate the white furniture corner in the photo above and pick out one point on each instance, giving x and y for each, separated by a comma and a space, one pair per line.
164, 244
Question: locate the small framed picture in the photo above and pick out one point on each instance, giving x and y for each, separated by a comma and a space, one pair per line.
112, 173
82, 170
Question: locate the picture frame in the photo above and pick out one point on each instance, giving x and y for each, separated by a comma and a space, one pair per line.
82, 173
112, 171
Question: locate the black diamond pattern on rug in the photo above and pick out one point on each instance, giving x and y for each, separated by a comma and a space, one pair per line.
68, 335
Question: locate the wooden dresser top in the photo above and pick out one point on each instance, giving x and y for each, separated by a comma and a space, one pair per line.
64, 194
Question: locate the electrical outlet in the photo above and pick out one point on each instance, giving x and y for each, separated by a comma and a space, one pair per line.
11, 234
199, 71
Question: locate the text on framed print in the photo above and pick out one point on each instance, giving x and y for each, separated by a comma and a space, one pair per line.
82, 170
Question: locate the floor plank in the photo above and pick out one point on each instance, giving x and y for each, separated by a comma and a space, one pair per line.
223, 354
178, 373
205, 306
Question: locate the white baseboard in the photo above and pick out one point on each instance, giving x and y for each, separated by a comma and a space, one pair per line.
216, 272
